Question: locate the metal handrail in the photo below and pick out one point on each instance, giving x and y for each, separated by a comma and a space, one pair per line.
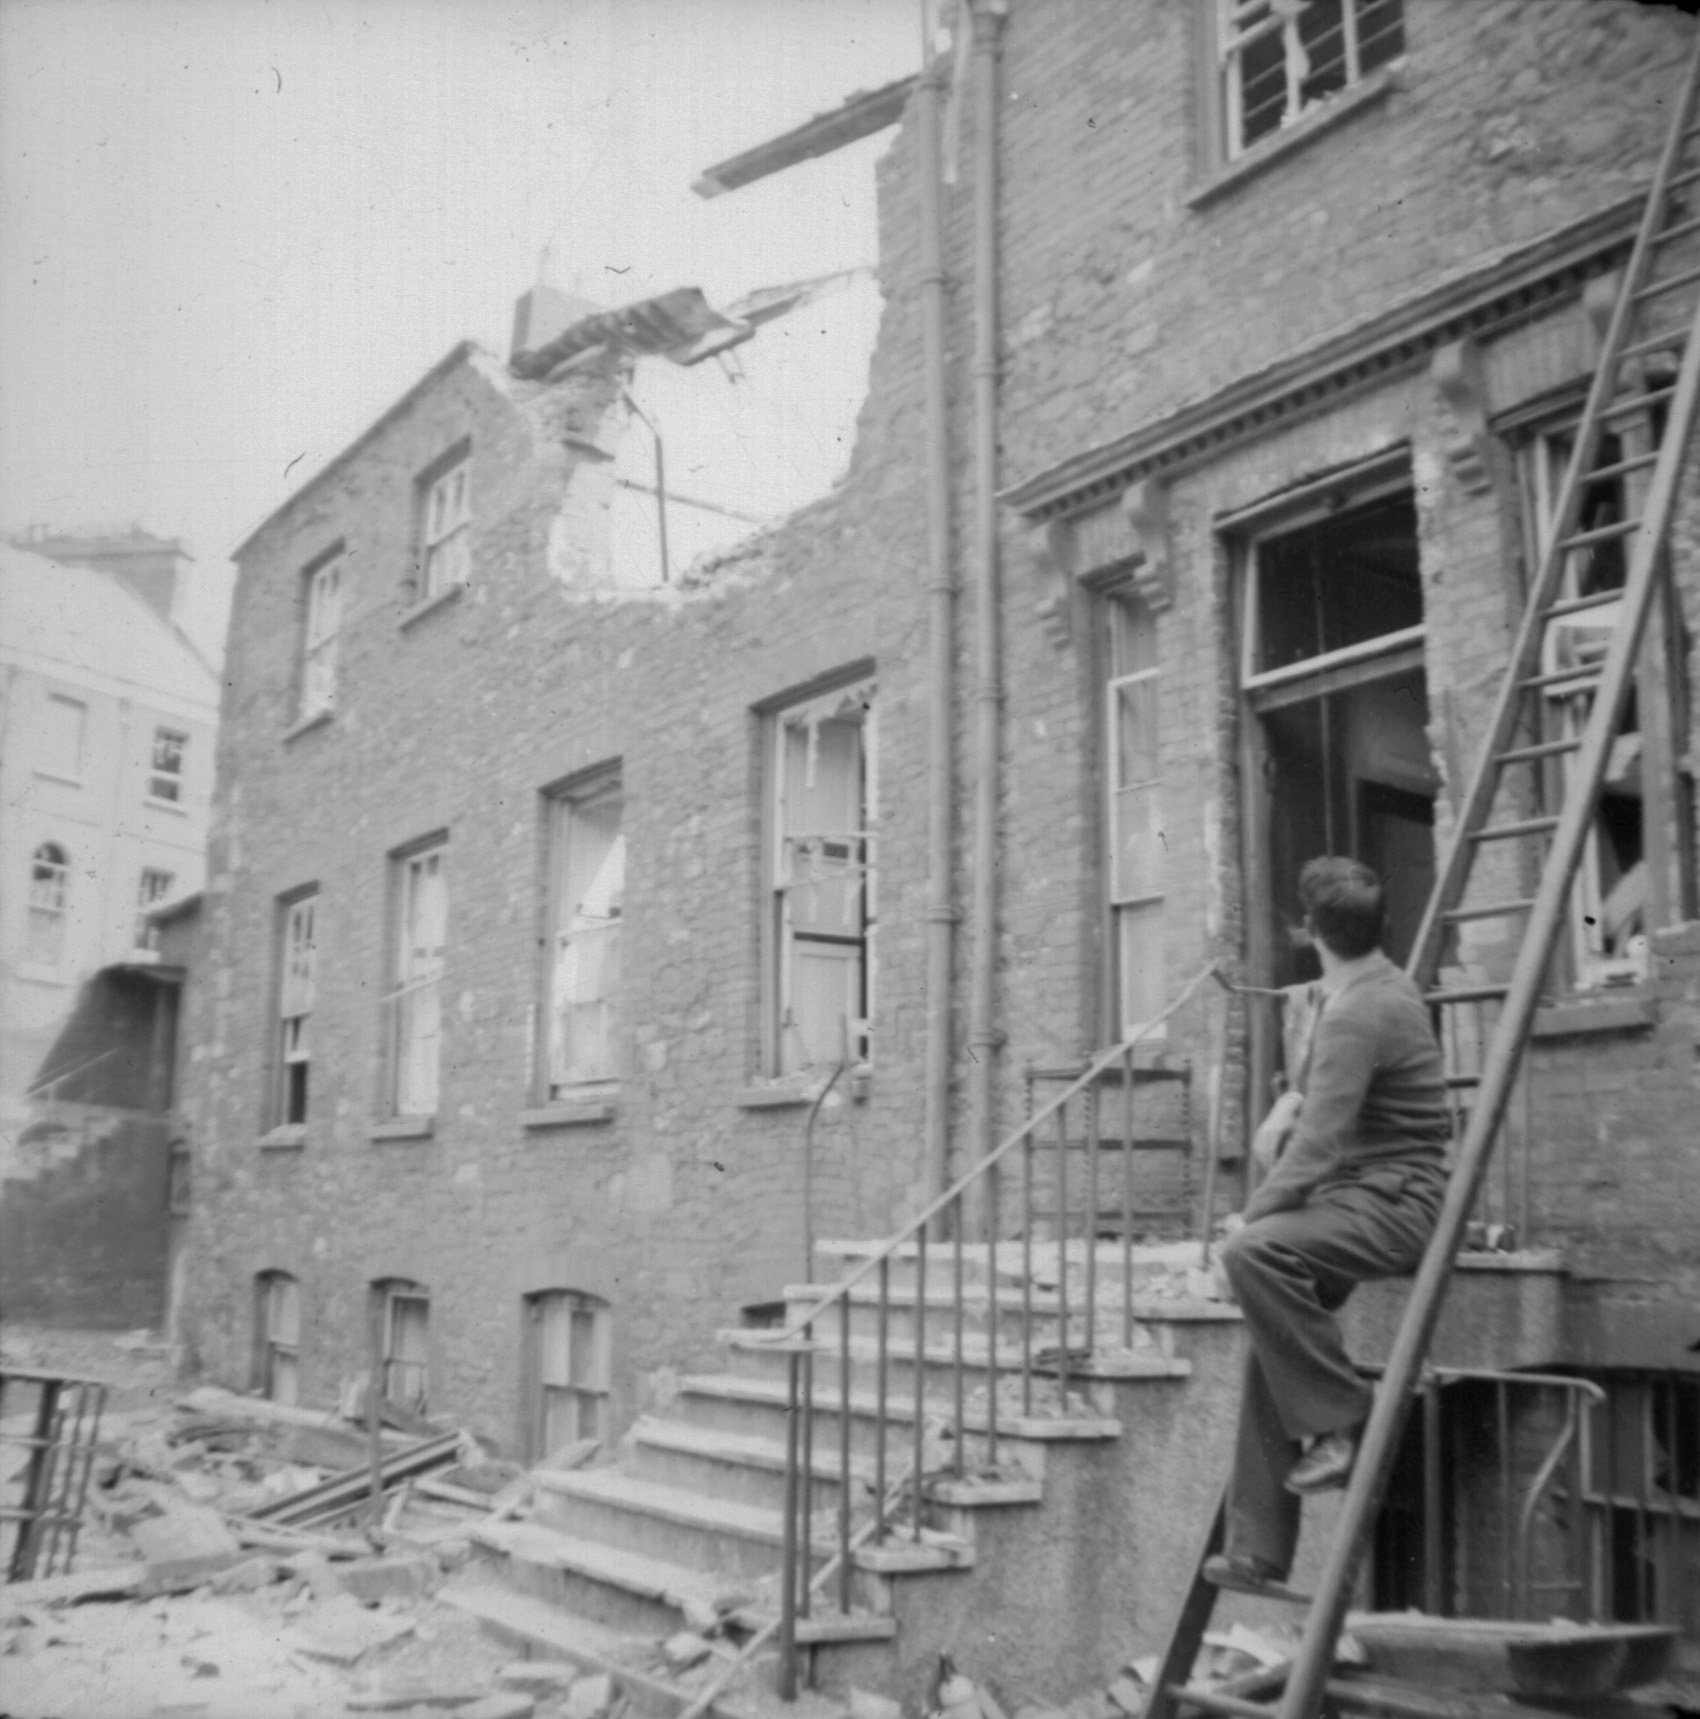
796, 1340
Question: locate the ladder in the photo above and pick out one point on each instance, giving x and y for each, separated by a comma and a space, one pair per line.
1654, 328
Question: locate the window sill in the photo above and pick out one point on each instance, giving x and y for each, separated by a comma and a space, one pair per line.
175, 807
318, 719
428, 605
40, 973
1370, 92
286, 1137
63, 781
404, 1128
1619, 1011
792, 1091
581, 1113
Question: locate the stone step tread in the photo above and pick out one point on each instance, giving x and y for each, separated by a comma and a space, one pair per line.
610, 1486
650, 1578
1134, 1364
594, 1647
1149, 1309
744, 1449
740, 1387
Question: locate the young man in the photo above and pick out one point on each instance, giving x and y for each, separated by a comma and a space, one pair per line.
1352, 1196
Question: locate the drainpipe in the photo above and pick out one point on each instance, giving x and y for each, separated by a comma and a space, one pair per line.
984, 1039
941, 629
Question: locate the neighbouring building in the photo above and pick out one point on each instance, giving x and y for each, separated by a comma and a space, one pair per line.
568, 931
106, 775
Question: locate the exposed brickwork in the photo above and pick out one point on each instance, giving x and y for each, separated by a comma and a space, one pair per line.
1120, 302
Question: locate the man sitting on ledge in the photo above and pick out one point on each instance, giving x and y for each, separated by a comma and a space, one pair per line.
1353, 1195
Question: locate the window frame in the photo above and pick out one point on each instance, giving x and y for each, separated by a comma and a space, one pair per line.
406, 988
53, 858
591, 1392
295, 998
1118, 605
1223, 43
153, 885
779, 937
277, 1341
72, 777
391, 1294
166, 778
443, 553
323, 595
1585, 965
563, 806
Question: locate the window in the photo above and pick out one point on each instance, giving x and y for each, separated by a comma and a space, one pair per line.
1622, 889
445, 543
416, 1002
1134, 816
64, 721
1332, 671
298, 970
165, 781
588, 884
50, 877
1278, 59
319, 639
179, 1184
152, 887
569, 1335
406, 1316
278, 1296
821, 865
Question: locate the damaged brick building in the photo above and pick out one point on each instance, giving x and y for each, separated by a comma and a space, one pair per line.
586, 954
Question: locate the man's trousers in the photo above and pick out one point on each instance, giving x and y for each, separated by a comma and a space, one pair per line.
1291, 1272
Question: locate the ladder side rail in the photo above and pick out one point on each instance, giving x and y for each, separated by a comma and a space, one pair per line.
1422, 1311
1453, 876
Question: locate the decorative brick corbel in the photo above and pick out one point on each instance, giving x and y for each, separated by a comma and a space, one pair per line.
1460, 379
1145, 506
1050, 547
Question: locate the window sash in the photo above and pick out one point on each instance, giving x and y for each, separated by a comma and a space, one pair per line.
1134, 813
50, 880
66, 731
588, 904
573, 1366
323, 630
407, 1334
165, 780
823, 878
417, 1001
151, 887
446, 540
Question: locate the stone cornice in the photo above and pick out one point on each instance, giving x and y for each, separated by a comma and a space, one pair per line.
1513, 287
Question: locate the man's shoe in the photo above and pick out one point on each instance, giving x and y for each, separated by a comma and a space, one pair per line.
1244, 1572
1326, 1464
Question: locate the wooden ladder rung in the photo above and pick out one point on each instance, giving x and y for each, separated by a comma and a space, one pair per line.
1587, 679
1636, 403
1543, 749
1467, 994
1489, 910
1673, 341
1214, 1701
1683, 228
1597, 534
1517, 827
1686, 177
1581, 605
1461, 1082
1669, 284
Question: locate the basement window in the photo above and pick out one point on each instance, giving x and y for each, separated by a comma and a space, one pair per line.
406, 1341
278, 1303
1278, 60
818, 1002
569, 1373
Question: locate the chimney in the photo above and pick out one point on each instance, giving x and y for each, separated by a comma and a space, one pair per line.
151, 566
544, 312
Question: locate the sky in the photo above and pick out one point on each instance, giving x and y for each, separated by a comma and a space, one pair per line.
233, 231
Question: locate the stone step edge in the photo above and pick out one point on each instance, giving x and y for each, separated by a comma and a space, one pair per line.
613, 1566
657, 1433
1040, 1429
675, 1504
1112, 1364
536, 1623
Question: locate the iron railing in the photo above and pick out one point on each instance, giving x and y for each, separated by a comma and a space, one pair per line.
1034, 1162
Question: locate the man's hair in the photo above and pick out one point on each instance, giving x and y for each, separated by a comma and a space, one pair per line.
1345, 903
